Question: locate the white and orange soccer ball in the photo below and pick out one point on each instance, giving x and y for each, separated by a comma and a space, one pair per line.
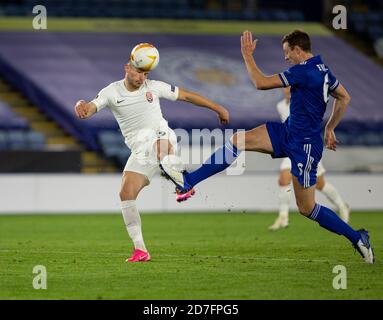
145, 57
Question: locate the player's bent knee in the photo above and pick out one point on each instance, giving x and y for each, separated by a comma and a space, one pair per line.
305, 209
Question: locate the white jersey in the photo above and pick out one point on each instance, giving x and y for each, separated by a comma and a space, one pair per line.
283, 109
136, 111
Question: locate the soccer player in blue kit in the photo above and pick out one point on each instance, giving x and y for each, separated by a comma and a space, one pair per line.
299, 138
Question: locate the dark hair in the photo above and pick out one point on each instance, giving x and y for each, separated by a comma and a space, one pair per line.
298, 38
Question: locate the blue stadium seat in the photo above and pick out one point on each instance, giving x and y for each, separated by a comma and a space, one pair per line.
3, 140
375, 32
361, 27
280, 15
112, 145
35, 140
357, 17
17, 140
249, 15
263, 15
111, 151
296, 15
374, 17
109, 137
123, 156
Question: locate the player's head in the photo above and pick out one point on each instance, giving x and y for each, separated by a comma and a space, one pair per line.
134, 77
296, 46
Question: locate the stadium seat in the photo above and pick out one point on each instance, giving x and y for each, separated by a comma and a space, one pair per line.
375, 32
17, 140
280, 15
35, 140
123, 156
113, 146
296, 16
3, 140
108, 137
111, 151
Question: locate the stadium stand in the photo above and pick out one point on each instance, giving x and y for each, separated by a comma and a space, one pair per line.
27, 133
365, 21
113, 146
29, 61
15, 133
9, 119
175, 9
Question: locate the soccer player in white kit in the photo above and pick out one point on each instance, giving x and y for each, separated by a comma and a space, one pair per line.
283, 108
134, 102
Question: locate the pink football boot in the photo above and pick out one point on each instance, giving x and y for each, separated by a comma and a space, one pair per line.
184, 196
139, 256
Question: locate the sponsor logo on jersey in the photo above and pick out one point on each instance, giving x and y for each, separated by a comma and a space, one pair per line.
161, 133
119, 101
149, 97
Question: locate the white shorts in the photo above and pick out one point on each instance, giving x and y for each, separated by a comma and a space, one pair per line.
143, 159
286, 165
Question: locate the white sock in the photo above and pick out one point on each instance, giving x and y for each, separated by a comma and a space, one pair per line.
332, 194
132, 221
284, 201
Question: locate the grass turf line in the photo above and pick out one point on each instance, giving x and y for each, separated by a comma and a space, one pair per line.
194, 256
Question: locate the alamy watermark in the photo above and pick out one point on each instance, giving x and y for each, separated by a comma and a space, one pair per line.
340, 20
340, 280
192, 147
40, 280
40, 20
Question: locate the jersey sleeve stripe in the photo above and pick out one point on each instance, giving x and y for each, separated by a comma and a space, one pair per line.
334, 86
283, 79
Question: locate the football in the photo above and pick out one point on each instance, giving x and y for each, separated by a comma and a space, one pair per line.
145, 57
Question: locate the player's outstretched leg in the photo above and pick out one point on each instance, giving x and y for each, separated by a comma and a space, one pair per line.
329, 220
172, 168
256, 139
221, 159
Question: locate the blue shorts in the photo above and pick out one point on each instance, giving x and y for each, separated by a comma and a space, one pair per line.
304, 153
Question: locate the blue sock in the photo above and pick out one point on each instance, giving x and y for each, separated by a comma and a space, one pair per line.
329, 220
218, 161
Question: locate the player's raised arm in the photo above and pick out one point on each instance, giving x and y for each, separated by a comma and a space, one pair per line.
342, 99
261, 81
85, 110
202, 101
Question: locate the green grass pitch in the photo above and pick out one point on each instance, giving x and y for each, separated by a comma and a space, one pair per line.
194, 256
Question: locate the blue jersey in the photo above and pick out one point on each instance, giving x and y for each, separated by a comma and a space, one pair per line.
310, 82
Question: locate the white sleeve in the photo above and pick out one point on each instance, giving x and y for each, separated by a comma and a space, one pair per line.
101, 101
164, 90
